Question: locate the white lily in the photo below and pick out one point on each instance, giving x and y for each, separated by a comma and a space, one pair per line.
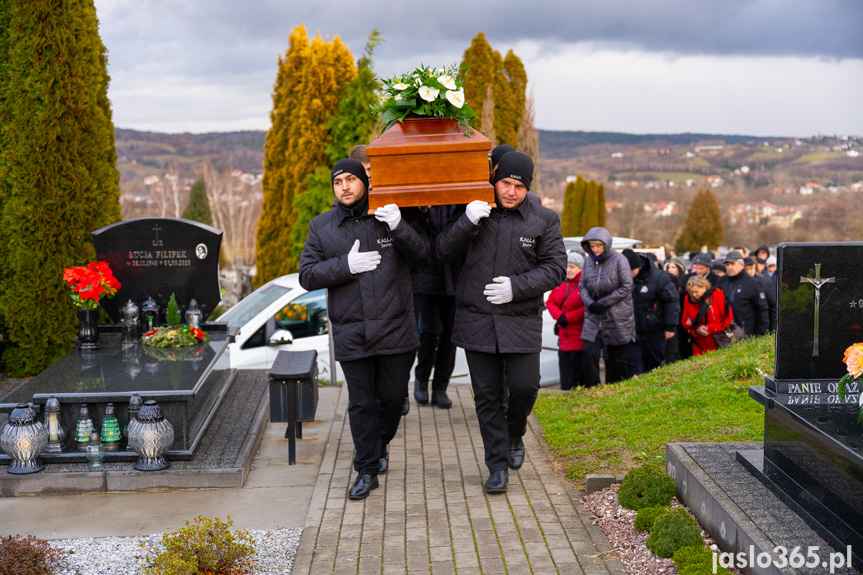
455, 97
428, 93
400, 86
448, 81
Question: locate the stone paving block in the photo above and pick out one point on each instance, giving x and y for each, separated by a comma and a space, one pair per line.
492, 565
442, 568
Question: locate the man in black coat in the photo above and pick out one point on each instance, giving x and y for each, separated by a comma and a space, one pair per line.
513, 254
747, 300
768, 286
364, 262
656, 303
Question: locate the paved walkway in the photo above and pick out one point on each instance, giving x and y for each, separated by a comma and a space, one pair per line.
431, 515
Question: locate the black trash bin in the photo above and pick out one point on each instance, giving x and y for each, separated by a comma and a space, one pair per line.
294, 393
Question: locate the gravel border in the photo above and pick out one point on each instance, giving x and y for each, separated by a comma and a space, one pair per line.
617, 524
275, 553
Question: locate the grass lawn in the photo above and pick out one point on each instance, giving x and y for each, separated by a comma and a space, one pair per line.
612, 428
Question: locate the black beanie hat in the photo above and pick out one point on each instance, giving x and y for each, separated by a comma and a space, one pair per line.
633, 258
498, 152
352, 167
517, 166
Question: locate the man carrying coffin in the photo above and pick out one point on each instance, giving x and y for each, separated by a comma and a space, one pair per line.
513, 254
364, 262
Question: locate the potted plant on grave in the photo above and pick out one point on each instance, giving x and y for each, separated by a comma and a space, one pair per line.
854, 363
175, 341
429, 153
89, 284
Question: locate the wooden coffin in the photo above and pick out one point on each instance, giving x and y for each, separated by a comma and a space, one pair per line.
428, 162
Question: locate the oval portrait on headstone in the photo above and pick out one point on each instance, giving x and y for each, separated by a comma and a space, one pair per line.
201, 251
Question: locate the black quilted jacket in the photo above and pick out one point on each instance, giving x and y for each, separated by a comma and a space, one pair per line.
370, 313
523, 244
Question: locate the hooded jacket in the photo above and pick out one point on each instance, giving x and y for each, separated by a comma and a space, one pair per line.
371, 313
607, 280
523, 244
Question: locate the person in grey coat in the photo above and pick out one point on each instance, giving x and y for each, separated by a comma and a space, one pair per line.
513, 254
364, 263
609, 319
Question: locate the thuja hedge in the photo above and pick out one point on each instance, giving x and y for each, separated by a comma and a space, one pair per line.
57, 168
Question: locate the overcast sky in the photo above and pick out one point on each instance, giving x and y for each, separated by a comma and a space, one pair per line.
751, 67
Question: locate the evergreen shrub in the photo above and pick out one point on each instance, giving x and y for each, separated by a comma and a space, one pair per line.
646, 516
646, 486
671, 531
207, 547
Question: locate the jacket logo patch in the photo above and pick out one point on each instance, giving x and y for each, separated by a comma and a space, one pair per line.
643, 289
385, 242
527, 242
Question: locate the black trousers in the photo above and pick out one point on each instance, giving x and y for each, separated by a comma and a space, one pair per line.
377, 389
570, 366
437, 316
644, 356
615, 362
491, 376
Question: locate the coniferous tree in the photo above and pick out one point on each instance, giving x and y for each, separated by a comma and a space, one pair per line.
271, 244
309, 85
567, 217
479, 61
528, 140
487, 123
703, 225
60, 180
198, 208
600, 204
590, 213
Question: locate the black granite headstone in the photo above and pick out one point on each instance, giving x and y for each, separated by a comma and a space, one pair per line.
832, 292
155, 257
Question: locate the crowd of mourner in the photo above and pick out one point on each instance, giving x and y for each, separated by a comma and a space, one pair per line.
414, 283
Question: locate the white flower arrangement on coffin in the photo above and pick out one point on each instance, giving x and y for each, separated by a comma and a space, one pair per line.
425, 92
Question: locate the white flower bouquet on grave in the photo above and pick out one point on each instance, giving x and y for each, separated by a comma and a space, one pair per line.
854, 363
426, 93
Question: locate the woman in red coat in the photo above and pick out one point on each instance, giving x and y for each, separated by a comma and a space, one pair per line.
704, 313
565, 306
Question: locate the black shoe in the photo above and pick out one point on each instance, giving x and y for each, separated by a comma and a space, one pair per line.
384, 462
515, 453
439, 399
406, 406
497, 481
421, 392
363, 486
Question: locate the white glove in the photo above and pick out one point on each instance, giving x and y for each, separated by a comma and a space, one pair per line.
476, 210
500, 291
390, 214
360, 262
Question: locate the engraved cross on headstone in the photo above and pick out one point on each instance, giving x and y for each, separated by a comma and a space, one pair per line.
157, 242
818, 282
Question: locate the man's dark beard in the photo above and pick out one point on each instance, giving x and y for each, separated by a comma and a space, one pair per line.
356, 202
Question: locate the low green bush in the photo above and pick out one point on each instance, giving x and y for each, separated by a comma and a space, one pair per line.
692, 555
647, 515
646, 486
207, 547
27, 556
673, 530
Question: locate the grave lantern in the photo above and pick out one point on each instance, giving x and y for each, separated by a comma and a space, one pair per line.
83, 427
150, 436
111, 433
150, 309
135, 404
23, 439
95, 451
193, 314
53, 422
131, 313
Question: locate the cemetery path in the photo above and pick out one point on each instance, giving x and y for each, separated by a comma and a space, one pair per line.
431, 515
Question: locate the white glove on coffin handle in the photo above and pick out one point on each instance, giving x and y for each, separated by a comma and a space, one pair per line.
476, 210
361, 262
500, 291
390, 214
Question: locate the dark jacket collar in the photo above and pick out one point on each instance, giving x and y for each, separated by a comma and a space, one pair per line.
523, 208
358, 211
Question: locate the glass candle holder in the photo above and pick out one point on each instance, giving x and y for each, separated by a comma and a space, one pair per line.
95, 451
54, 423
